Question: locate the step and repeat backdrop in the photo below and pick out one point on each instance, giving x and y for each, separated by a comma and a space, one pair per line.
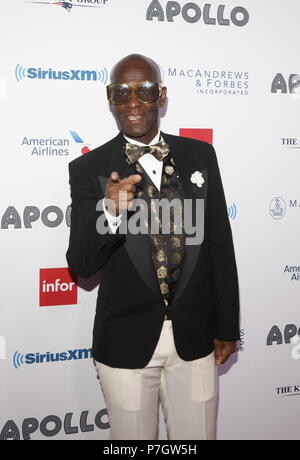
233, 79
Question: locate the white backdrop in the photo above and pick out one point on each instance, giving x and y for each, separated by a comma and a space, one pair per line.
219, 77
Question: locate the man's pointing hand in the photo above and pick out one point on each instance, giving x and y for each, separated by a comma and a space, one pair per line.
121, 192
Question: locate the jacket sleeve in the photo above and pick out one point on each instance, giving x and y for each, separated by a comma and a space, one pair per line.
88, 250
225, 280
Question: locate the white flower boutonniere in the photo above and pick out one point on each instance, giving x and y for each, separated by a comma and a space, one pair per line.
196, 178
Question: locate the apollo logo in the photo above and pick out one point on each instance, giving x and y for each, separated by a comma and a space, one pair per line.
191, 12
290, 334
282, 85
51, 216
37, 73
57, 287
50, 426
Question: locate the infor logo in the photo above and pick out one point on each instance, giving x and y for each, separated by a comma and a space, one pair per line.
57, 287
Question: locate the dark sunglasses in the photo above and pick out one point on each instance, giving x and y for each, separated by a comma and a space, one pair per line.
145, 91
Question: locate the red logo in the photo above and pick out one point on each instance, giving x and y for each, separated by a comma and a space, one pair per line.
57, 287
205, 135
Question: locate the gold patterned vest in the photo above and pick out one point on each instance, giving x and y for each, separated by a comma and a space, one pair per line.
167, 248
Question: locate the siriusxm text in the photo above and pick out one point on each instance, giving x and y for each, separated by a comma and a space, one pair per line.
69, 355
51, 74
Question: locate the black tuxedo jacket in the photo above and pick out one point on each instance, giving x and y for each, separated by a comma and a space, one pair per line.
130, 309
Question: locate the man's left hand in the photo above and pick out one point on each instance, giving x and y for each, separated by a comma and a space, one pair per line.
223, 350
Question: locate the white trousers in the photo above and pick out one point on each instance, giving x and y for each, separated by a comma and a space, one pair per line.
187, 391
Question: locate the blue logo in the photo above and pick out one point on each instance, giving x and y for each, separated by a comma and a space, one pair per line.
277, 208
40, 358
78, 140
67, 6
232, 211
34, 73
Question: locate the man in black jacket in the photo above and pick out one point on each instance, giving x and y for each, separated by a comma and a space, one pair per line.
167, 309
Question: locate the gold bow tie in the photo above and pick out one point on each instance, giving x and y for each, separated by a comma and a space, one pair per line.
134, 152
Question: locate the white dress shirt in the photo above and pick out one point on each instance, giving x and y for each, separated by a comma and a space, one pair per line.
153, 168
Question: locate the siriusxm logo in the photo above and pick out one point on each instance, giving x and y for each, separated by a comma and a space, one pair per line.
67, 6
34, 73
232, 211
38, 358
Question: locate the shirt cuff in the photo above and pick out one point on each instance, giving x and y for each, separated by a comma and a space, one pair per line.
113, 221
